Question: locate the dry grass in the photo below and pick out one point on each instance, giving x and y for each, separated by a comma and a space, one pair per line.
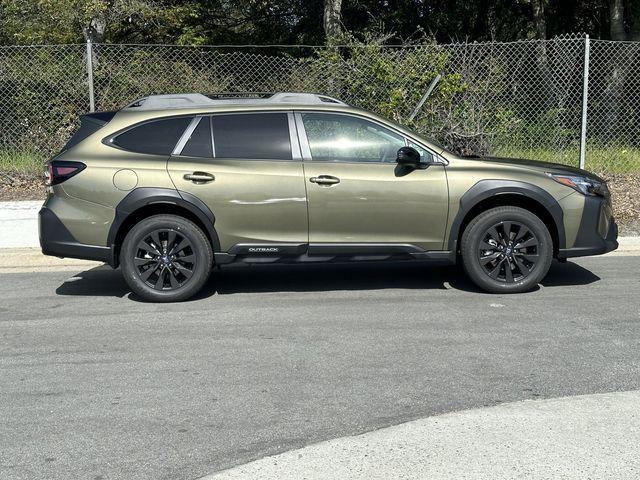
625, 192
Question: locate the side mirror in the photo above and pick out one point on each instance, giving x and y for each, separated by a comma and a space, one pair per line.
408, 156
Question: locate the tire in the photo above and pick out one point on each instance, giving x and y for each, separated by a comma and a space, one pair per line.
177, 251
501, 263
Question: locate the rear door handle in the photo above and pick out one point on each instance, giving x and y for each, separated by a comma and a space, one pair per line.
199, 177
325, 180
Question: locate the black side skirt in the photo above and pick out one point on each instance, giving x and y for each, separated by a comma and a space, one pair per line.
330, 252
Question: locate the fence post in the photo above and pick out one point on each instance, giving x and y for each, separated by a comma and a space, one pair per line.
92, 103
585, 98
432, 85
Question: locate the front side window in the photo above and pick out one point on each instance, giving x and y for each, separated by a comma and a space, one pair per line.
157, 137
252, 136
344, 138
425, 155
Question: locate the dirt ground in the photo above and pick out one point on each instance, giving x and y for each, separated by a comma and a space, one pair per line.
20, 187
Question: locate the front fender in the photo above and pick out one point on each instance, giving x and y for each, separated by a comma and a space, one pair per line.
485, 189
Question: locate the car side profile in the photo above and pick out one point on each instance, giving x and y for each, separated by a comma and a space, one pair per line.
172, 185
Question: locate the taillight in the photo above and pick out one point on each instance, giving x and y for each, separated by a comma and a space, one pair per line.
58, 171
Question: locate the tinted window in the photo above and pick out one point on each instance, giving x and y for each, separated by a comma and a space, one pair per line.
425, 155
349, 139
252, 136
157, 137
199, 144
89, 124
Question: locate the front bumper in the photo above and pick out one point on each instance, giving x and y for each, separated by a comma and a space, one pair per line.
598, 232
57, 241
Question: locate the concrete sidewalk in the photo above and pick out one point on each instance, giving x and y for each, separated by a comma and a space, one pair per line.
591, 436
19, 222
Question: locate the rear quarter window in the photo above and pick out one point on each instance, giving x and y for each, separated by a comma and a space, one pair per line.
89, 124
156, 137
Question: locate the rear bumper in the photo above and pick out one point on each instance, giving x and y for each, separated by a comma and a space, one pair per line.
598, 232
57, 241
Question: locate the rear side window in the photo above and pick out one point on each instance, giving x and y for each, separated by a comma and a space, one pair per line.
199, 144
262, 136
158, 137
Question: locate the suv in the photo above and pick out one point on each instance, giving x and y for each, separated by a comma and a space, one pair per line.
172, 185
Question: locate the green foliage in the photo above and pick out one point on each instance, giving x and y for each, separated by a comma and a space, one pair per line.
387, 80
513, 132
200, 22
42, 91
391, 81
65, 21
144, 71
476, 108
23, 162
39, 22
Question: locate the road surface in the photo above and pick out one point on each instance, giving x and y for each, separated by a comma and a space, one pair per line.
95, 384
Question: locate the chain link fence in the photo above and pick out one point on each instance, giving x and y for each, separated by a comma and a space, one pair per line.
528, 99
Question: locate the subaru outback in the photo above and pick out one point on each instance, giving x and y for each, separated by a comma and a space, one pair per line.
172, 185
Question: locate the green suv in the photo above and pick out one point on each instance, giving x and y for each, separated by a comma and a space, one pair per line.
172, 185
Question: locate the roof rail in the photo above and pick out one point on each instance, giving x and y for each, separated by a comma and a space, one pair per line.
191, 100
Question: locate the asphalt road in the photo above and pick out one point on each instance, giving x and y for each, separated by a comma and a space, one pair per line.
97, 385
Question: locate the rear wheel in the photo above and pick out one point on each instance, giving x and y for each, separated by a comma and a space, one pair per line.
506, 250
166, 258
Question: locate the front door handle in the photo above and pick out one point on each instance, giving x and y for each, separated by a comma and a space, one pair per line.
325, 180
199, 177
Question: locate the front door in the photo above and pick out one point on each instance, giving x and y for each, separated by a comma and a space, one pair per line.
358, 195
251, 178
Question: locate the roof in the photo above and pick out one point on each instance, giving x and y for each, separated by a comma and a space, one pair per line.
195, 100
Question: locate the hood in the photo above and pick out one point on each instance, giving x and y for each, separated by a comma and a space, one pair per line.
538, 165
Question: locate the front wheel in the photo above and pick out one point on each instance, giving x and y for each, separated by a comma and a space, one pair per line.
506, 250
166, 258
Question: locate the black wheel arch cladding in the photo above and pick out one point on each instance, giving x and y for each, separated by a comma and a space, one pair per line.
485, 189
146, 196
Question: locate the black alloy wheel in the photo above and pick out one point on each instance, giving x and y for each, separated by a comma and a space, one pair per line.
165, 259
508, 252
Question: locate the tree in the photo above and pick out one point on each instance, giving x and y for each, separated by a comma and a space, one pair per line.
310, 21
332, 18
634, 15
69, 21
616, 19
539, 18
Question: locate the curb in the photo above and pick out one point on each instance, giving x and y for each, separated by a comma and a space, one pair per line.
31, 259
585, 436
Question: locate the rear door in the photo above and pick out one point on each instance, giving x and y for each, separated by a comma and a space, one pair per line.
247, 168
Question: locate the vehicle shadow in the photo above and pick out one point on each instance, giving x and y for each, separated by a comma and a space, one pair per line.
103, 281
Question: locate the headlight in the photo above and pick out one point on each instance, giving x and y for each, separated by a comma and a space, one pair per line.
584, 185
